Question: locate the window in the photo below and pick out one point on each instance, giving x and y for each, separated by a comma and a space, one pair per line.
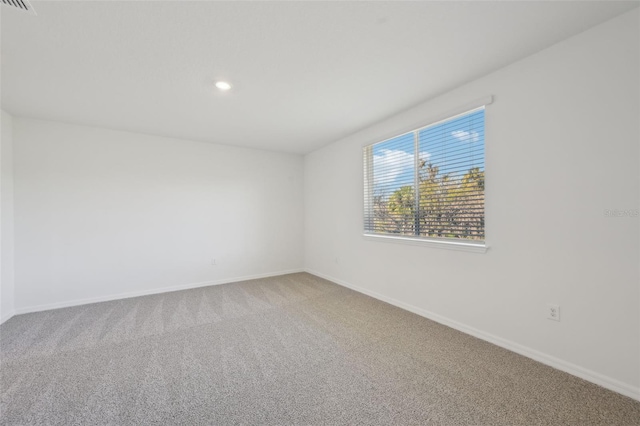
428, 184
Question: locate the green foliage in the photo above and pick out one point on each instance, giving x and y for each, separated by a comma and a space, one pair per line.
447, 207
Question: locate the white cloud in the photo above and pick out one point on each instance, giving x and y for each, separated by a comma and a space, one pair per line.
389, 164
463, 136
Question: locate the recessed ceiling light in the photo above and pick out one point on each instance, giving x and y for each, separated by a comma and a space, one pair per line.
223, 85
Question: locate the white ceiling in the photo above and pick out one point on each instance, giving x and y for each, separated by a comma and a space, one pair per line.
305, 74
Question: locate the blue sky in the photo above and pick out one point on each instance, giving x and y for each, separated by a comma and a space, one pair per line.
455, 146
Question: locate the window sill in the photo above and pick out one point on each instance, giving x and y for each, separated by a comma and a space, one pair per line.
448, 245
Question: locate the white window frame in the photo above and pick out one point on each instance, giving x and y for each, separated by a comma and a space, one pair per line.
367, 185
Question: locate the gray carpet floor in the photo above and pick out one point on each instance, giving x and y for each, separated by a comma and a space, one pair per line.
288, 350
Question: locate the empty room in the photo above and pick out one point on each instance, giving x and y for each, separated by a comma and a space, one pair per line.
320, 213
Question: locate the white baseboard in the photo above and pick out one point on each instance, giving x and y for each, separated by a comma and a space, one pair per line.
127, 295
7, 316
567, 367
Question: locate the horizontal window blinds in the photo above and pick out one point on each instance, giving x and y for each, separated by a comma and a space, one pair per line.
428, 183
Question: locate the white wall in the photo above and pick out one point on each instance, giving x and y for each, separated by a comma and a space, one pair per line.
6, 218
101, 214
562, 145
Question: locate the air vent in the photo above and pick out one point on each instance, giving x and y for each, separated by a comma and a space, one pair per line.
22, 5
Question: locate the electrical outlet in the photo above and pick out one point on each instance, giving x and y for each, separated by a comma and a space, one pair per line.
553, 312
213, 262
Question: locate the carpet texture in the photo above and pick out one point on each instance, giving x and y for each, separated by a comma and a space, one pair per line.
288, 350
